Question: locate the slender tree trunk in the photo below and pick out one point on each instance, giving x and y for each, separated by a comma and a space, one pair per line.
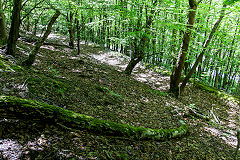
176, 75
139, 52
71, 30
34, 52
28, 24
78, 37
3, 33
14, 30
231, 53
207, 42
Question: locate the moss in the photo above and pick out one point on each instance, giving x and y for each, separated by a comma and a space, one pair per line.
154, 91
8, 66
108, 91
16, 68
41, 84
2, 65
30, 109
216, 91
206, 87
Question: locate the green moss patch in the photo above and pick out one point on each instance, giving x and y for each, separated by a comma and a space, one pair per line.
42, 84
206, 87
216, 91
7, 66
154, 91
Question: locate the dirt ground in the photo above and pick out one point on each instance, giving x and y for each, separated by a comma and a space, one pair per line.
60, 77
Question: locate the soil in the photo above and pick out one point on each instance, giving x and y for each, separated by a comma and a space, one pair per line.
62, 78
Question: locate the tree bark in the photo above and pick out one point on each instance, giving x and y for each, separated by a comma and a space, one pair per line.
3, 33
71, 29
14, 30
34, 52
17, 108
176, 75
78, 37
207, 42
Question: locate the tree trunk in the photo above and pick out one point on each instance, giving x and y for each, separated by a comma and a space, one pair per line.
78, 37
207, 42
139, 52
71, 30
3, 33
14, 30
34, 52
176, 75
131, 65
17, 108
230, 57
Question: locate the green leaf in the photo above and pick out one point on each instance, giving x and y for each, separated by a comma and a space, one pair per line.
229, 2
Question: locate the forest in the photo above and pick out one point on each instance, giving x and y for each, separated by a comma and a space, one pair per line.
118, 79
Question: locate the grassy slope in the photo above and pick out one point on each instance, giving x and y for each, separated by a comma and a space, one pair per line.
62, 78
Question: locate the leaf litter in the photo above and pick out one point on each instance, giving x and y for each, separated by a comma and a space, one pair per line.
62, 78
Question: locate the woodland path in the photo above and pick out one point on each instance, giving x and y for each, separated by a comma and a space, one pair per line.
140, 73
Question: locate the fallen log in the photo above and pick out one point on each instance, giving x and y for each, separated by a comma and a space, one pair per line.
18, 108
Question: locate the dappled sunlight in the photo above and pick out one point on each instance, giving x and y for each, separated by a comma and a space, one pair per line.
72, 57
140, 73
229, 137
68, 50
76, 71
233, 118
230, 124
49, 47
111, 58
10, 149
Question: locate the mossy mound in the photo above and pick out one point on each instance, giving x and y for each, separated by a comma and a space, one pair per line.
206, 87
216, 91
14, 107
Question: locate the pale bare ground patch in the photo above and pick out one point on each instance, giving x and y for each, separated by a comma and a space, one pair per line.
140, 72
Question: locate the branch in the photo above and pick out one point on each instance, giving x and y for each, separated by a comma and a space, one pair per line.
32, 10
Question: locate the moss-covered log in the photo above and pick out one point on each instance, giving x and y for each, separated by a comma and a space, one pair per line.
14, 107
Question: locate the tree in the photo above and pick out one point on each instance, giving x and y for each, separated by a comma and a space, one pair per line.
139, 48
207, 42
3, 33
32, 55
14, 30
176, 75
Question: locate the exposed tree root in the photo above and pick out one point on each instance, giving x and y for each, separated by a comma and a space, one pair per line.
14, 107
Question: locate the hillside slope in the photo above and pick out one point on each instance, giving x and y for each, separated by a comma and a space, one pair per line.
61, 78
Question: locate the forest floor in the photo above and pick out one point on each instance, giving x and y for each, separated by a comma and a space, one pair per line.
62, 78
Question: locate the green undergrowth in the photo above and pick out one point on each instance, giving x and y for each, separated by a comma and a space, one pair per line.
108, 91
154, 91
42, 84
107, 96
6, 66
